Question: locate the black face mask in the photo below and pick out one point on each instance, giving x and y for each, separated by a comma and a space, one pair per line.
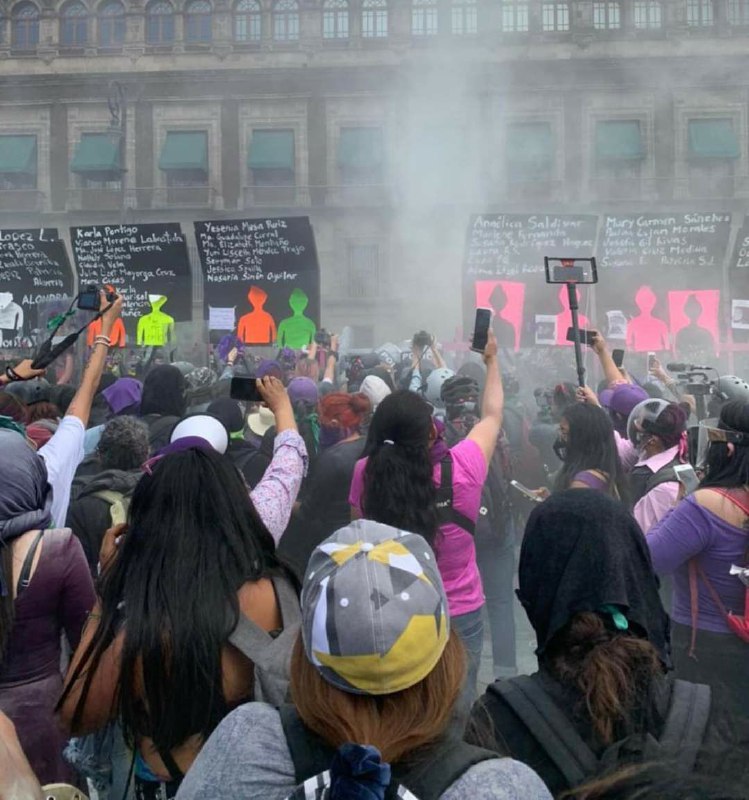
560, 448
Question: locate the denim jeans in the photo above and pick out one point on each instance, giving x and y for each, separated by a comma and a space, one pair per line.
470, 628
495, 553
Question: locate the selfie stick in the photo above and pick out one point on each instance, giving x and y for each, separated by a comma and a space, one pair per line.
572, 298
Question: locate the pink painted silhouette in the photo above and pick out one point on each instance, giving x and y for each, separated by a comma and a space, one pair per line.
646, 332
506, 298
564, 320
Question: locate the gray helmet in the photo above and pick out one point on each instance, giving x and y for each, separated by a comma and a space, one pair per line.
37, 390
731, 387
434, 384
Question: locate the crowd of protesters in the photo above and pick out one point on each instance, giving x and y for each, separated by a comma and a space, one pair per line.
210, 597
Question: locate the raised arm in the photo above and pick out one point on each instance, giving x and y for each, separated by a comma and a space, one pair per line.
611, 372
486, 431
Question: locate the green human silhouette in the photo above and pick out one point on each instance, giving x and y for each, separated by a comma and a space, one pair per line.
157, 328
297, 331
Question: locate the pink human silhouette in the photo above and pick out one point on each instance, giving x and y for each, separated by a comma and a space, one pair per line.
564, 320
646, 332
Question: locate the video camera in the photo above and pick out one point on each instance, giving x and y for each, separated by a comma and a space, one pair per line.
422, 339
322, 338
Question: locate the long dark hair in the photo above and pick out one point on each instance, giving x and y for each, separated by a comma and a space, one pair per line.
193, 540
614, 673
398, 484
722, 470
591, 445
164, 392
7, 601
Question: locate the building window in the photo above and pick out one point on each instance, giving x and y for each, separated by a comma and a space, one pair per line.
515, 16
529, 154
464, 18
18, 166
335, 19
248, 21
363, 270
160, 22
74, 25
555, 16
360, 156
374, 19
738, 12
713, 150
700, 13
111, 24
424, 18
198, 22
647, 14
272, 157
286, 21
25, 26
607, 16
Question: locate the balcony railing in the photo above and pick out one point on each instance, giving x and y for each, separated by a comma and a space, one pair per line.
275, 196
98, 199
22, 200
354, 195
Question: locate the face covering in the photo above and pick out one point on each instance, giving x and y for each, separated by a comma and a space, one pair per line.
560, 448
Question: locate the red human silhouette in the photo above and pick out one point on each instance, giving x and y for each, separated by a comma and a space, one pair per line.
257, 327
564, 320
646, 332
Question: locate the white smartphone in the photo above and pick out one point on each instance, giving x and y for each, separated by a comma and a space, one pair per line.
651, 360
526, 491
686, 475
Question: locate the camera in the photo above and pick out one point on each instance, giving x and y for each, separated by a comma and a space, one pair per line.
88, 298
322, 338
422, 339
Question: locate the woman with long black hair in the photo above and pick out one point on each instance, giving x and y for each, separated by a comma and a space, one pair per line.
411, 480
587, 448
194, 560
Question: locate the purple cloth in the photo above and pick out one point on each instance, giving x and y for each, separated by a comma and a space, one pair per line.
623, 397
691, 531
591, 480
228, 343
59, 598
303, 390
122, 394
269, 367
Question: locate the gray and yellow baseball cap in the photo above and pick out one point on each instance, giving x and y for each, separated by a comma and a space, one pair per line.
374, 611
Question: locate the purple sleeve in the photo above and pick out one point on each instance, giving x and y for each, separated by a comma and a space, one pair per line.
78, 596
678, 536
275, 494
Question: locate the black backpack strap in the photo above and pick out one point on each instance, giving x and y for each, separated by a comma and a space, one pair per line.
311, 755
549, 726
428, 775
446, 512
24, 579
665, 474
686, 723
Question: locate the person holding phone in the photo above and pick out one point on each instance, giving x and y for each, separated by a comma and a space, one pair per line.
698, 542
410, 479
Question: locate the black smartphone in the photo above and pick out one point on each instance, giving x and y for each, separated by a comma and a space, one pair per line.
245, 389
618, 357
586, 337
481, 329
88, 299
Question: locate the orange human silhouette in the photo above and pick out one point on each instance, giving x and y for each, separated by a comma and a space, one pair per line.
646, 332
257, 327
117, 337
564, 320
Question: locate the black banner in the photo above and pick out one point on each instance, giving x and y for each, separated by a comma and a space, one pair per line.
262, 279
33, 272
146, 263
738, 278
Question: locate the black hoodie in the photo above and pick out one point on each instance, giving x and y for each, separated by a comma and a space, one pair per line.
88, 516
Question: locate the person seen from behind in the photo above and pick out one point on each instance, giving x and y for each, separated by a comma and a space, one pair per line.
411, 479
375, 679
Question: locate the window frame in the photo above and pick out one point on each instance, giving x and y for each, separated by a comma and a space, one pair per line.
28, 23
375, 19
697, 16
737, 13
336, 20
252, 20
285, 21
556, 16
644, 15
198, 24
74, 27
515, 16
425, 18
111, 26
163, 21
467, 12
605, 8
366, 273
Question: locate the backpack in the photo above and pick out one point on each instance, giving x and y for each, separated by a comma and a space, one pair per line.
553, 731
271, 654
736, 624
118, 505
424, 778
643, 480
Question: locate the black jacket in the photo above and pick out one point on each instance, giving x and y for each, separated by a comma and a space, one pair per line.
88, 516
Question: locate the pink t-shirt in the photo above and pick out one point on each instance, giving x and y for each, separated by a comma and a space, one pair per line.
454, 547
